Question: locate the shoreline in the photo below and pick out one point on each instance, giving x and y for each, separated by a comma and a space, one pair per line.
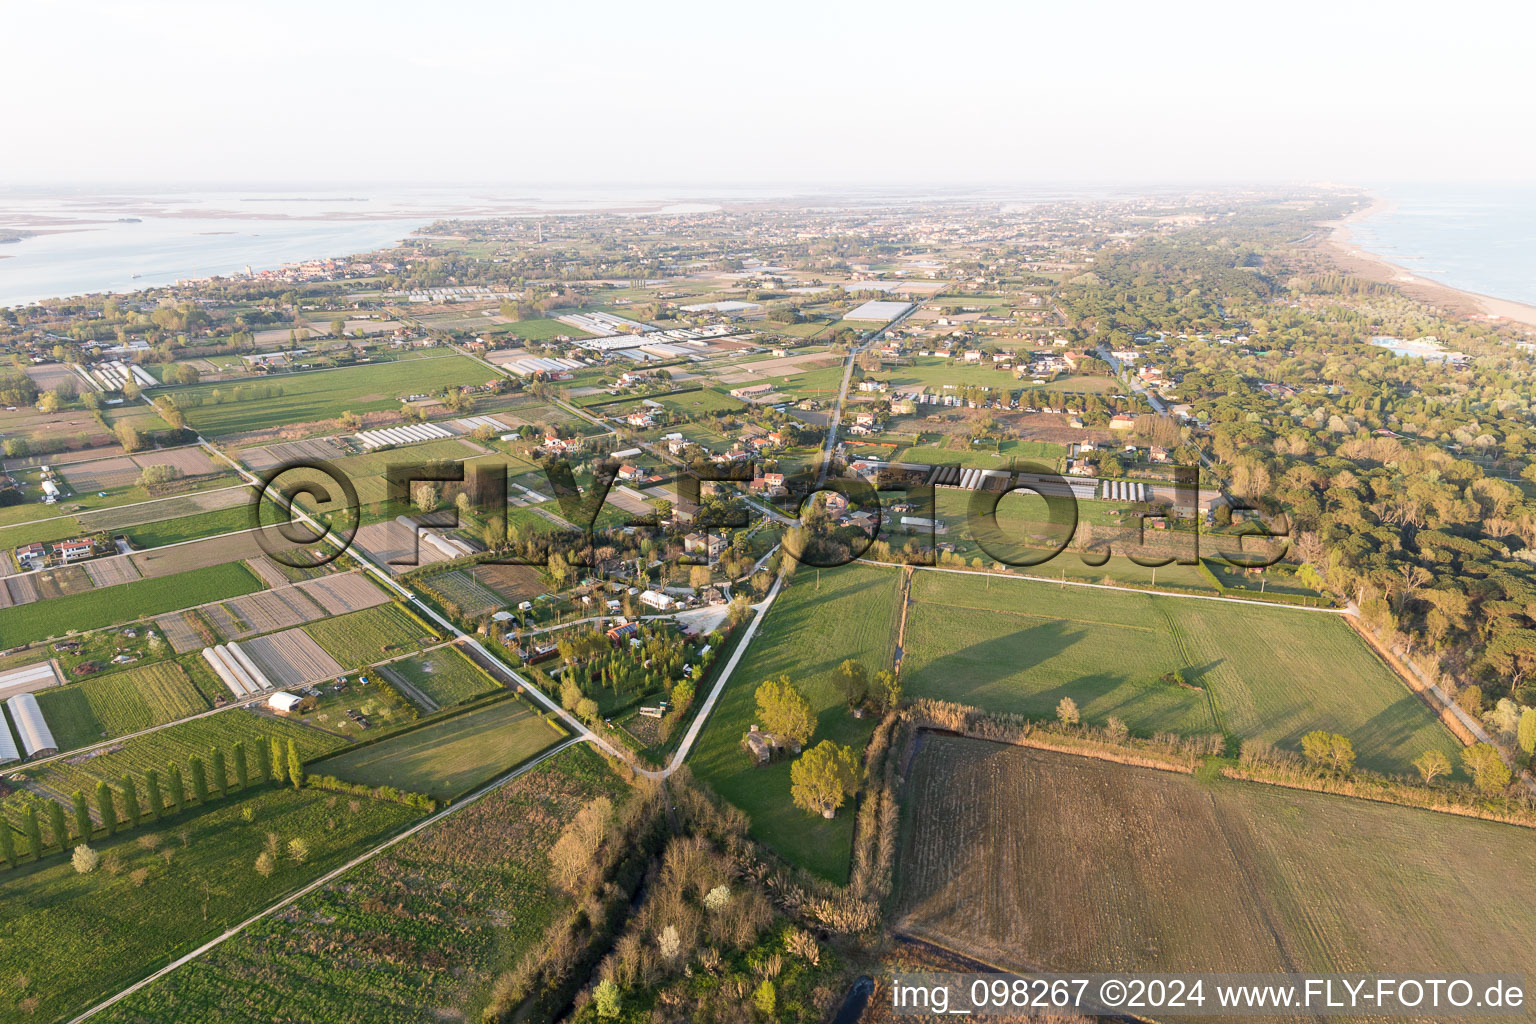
1354, 260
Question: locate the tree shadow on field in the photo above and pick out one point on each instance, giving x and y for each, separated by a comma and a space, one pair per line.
1375, 739
959, 674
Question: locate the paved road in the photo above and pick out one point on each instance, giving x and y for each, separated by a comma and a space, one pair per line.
836, 419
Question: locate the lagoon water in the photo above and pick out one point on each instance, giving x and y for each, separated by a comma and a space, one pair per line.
1475, 239
121, 257
80, 241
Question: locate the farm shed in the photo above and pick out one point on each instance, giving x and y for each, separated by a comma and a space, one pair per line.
655, 599
284, 703
36, 737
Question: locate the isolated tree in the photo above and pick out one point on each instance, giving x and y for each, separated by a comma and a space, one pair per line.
853, 680
1328, 750
1488, 769
106, 808
83, 826
586, 710
218, 776
57, 826
295, 766
698, 576
605, 999
178, 791
265, 864
279, 762
298, 850
1431, 765
823, 777
33, 830
242, 777
128, 436
1116, 730
85, 859
1067, 713
784, 710
130, 800
152, 793
199, 778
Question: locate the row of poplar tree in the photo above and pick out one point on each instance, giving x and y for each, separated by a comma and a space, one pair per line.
210, 781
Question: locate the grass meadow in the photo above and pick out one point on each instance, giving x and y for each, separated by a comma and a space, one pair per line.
811, 628
326, 394
445, 676
1258, 671
447, 758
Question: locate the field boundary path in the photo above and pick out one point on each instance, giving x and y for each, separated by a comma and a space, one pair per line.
1346, 612
329, 876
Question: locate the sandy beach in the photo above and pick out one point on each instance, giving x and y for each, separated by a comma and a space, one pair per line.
1354, 260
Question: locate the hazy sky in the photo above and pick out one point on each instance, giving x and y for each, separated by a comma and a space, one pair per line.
765, 93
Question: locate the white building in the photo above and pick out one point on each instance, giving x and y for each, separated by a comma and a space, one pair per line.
284, 703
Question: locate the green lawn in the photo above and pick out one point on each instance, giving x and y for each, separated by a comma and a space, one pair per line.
1266, 672
192, 527
79, 938
812, 627
984, 456
446, 759
444, 675
361, 638
126, 602
326, 394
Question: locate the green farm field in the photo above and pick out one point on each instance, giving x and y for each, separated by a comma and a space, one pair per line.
811, 628
80, 938
1263, 672
444, 675
326, 394
479, 899
119, 703
126, 602
361, 638
960, 452
445, 759
1131, 869
177, 743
